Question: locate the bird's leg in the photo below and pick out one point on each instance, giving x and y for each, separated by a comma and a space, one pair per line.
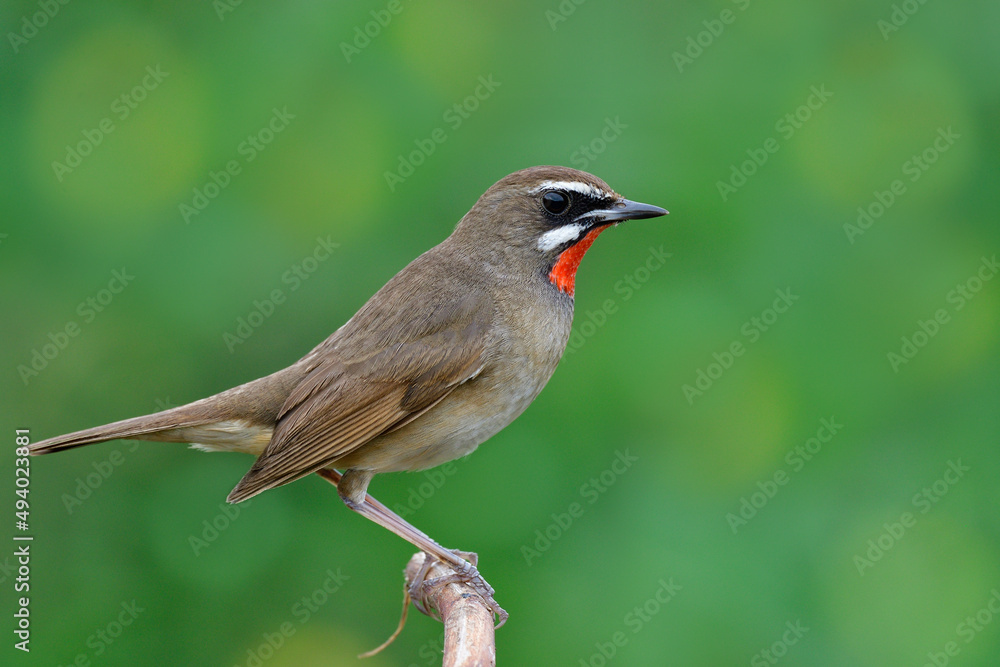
352, 487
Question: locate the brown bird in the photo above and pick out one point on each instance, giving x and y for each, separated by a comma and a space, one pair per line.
447, 353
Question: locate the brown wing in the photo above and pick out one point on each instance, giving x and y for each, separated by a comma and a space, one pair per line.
362, 385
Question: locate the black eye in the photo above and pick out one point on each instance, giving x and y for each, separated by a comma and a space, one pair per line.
555, 203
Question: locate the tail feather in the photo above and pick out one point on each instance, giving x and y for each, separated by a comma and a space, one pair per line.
157, 426
238, 419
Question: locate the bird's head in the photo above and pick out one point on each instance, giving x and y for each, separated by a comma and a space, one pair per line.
547, 217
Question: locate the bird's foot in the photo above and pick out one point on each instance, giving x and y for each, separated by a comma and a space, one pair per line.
466, 573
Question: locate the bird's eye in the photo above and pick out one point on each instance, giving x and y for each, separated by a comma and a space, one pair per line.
555, 203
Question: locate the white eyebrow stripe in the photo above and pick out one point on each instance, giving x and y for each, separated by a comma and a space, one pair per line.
556, 237
573, 186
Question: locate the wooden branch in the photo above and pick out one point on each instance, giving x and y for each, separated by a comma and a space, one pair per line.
469, 639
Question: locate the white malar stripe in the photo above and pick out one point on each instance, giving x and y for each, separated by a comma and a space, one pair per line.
573, 186
556, 237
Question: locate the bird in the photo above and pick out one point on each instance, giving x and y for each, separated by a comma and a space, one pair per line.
451, 350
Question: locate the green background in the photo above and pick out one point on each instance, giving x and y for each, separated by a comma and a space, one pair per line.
682, 127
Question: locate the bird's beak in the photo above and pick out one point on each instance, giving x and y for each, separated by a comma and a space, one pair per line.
623, 209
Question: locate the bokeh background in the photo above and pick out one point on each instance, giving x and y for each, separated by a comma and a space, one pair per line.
868, 552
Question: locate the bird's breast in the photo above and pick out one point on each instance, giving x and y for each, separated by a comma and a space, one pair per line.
526, 346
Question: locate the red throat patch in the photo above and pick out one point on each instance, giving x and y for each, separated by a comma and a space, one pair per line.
563, 274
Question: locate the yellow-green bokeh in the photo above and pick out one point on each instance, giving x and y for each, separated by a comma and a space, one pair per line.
662, 100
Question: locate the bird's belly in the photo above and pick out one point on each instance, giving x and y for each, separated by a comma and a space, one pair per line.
467, 417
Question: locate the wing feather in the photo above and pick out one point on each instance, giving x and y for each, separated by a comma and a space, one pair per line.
356, 391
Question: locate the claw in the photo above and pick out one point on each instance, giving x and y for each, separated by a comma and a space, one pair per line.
466, 573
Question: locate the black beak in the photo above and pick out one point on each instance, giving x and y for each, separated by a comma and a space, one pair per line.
623, 209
